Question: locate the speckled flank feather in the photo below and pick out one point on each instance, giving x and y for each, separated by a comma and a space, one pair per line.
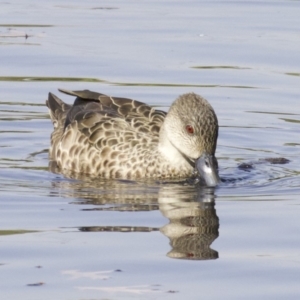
116, 137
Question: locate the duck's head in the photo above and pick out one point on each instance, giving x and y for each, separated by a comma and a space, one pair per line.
191, 126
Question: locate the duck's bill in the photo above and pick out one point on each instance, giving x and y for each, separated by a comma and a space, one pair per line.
207, 167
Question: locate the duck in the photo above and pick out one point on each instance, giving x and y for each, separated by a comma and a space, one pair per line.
114, 137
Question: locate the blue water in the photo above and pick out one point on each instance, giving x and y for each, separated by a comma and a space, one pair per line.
64, 238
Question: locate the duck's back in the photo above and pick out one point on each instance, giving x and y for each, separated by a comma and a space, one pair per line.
101, 135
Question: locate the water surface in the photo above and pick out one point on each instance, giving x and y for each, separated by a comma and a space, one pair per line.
67, 238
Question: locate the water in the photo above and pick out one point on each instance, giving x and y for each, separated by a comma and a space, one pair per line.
82, 239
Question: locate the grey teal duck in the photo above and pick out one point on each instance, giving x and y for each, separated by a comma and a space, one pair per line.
114, 137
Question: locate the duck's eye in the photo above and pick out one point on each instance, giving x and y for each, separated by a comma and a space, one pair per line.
189, 129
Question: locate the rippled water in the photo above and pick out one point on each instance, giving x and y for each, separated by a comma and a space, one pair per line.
65, 238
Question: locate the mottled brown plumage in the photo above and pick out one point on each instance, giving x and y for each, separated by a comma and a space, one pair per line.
115, 137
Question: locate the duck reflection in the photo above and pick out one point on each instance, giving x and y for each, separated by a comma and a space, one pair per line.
193, 222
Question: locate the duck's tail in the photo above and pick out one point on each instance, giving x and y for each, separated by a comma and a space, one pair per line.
58, 110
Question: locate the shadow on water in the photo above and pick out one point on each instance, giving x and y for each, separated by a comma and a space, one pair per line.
193, 222
94, 80
26, 25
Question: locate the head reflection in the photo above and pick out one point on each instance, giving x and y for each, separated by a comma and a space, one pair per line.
193, 226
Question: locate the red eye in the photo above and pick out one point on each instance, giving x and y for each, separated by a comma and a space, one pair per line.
189, 129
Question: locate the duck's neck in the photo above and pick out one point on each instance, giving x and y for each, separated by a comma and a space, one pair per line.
170, 153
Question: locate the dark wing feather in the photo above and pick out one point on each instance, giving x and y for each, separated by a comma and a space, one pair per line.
139, 115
